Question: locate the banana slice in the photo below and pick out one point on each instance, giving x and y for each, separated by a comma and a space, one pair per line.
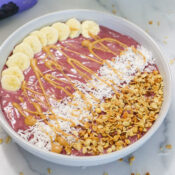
14, 71
24, 48
10, 82
63, 30
34, 43
90, 27
74, 26
51, 34
20, 60
41, 36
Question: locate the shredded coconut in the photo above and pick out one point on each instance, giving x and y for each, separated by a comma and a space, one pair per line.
76, 109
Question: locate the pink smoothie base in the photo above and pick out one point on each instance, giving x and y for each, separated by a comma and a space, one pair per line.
15, 120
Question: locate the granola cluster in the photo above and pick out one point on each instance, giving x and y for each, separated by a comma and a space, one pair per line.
124, 118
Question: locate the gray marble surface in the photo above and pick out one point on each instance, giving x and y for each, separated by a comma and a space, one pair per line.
153, 157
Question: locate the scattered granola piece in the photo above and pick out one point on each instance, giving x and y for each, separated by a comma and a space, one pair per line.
132, 173
146, 30
120, 160
147, 173
8, 139
21, 173
49, 170
114, 11
158, 23
136, 108
172, 61
1, 141
161, 148
105, 173
131, 159
168, 146
150, 22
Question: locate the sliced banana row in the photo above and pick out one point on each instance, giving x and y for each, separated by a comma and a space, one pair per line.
12, 78
19, 61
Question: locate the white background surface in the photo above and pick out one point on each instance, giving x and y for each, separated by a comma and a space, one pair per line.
149, 158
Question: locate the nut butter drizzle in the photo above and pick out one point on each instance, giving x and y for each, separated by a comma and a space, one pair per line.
52, 64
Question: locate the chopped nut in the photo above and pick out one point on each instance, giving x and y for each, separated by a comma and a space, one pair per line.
172, 61
57, 148
109, 150
84, 150
100, 148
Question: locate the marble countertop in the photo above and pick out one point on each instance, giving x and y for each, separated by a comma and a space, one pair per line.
155, 17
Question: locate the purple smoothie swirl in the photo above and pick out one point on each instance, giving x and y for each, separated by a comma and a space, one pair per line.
11, 7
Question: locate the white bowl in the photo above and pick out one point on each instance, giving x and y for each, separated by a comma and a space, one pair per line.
113, 22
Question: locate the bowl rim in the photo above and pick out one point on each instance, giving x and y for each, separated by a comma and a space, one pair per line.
92, 159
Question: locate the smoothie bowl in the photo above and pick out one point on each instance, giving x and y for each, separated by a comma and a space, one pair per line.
82, 88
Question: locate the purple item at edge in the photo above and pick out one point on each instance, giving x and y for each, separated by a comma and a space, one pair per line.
22, 4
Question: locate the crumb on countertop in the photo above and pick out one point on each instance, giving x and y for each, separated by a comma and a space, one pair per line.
105, 173
120, 160
21, 173
131, 159
114, 11
150, 22
165, 42
8, 139
168, 146
146, 30
158, 23
49, 170
1, 141
172, 61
